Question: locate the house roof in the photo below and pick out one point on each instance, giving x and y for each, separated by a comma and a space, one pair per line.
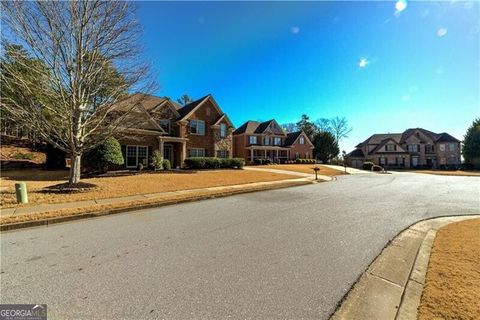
147, 101
356, 153
188, 108
248, 127
263, 126
292, 137
378, 138
445, 137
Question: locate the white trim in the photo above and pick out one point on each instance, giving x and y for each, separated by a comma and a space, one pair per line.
136, 155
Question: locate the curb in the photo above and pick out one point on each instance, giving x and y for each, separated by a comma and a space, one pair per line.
93, 214
392, 285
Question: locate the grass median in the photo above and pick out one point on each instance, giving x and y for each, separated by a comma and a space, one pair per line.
452, 287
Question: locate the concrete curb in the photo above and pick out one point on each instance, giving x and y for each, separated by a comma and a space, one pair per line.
78, 216
392, 285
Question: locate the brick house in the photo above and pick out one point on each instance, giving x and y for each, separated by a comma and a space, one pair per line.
267, 140
413, 148
198, 129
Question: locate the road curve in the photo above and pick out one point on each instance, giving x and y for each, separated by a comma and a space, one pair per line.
290, 253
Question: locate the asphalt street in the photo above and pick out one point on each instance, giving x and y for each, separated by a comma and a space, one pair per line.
283, 254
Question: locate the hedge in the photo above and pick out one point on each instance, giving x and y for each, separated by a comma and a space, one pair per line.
305, 161
214, 163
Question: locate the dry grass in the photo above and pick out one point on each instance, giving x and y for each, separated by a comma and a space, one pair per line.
452, 287
304, 168
156, 201
450, 173
8, 152
38, 182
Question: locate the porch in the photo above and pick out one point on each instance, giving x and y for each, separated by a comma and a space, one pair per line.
274, 154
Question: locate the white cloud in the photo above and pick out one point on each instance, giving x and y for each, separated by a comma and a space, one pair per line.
363, 62
441, 32
295, 30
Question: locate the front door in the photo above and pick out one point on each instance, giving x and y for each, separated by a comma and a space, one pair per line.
168, 153
414, 161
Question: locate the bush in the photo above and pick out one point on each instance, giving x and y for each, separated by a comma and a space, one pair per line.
166, 164
157, 160
368, 165
376, 168
25, 156
107, 153
213, 163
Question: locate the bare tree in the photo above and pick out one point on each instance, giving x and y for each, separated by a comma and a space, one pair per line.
323, 124
339, 128
184, 99
81, 45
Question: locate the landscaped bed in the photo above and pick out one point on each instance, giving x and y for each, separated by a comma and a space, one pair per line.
304, 168
452, 287
38, 182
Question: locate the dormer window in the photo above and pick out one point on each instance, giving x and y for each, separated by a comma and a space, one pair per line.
390, 147
165, 124
302, 140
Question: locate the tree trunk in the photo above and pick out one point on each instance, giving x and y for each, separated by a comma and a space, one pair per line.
75, 168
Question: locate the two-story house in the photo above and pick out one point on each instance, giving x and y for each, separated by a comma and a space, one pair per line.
413, 148
267, 140
198, 129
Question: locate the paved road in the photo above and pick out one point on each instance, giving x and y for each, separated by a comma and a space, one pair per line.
284, 254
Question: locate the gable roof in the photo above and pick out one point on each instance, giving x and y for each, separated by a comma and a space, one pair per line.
384, 142
378, 138
292, 137
248, 127
190, 107
223, 117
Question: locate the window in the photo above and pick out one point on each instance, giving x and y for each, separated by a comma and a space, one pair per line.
277, 141
390, 147
442, 147
382, 161
413, 148
451, 146
266, 141
196, 152
136, 155
302, 140
222, 153
223, 130
197, 127
165, 124
252, 139
208, 111
429, 148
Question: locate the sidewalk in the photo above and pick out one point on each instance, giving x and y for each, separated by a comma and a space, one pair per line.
293, 173
392, 286
24, 214
349, 169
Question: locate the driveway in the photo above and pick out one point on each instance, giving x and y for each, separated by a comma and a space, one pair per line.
290, 253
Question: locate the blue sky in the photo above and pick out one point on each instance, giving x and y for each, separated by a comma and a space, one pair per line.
385, 70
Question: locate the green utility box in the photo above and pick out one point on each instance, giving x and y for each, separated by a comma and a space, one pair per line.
21, 191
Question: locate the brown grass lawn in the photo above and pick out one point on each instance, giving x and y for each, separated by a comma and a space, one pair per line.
108, 187
8, 152
450, 173
304, 168
452, 287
